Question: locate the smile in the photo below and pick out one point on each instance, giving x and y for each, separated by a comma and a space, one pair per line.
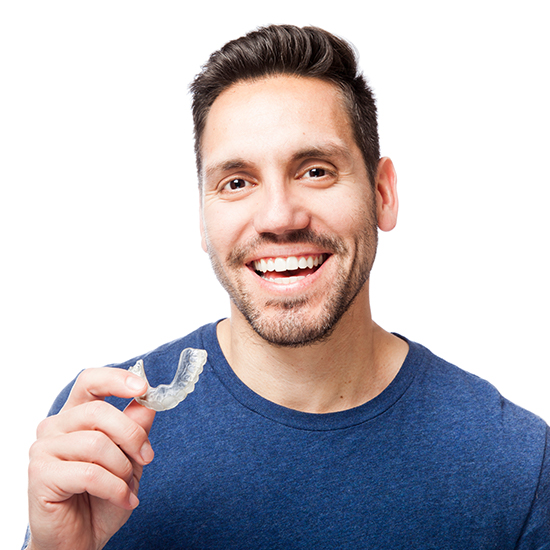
288, 270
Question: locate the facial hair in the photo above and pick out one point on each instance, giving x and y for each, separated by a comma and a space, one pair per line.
293, 325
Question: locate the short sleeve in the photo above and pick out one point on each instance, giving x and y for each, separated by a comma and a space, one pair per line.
536, 531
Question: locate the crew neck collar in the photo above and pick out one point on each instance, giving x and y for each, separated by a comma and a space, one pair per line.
312, 421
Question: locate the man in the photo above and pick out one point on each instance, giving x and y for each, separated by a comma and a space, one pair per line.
311, 426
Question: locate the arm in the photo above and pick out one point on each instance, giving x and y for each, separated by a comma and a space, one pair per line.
86, 464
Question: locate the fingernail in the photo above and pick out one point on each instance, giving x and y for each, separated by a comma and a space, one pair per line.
133, 501
135, 383
147, 453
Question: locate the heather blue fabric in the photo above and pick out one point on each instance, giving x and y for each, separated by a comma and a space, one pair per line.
439, 460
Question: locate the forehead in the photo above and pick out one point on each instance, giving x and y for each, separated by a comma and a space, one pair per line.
275, 116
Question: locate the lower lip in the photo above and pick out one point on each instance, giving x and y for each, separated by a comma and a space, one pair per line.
284, 281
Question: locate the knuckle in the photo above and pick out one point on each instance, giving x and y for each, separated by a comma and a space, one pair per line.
127, 471
95, 411
35, 468
84, 378
44, 427
91, 474
36, 449
40, 470
134, 432
119, 490
97, 443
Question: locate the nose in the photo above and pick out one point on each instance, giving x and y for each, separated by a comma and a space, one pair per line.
280, 210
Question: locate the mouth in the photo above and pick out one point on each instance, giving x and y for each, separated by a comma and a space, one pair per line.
286, 270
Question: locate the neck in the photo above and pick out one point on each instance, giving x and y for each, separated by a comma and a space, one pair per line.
350, 367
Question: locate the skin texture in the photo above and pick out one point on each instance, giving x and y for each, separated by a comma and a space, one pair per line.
276, 187
289, 203
283, 176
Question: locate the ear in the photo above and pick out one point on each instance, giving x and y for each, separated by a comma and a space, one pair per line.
387, 204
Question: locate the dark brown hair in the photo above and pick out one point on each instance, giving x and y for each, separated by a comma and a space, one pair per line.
286, 49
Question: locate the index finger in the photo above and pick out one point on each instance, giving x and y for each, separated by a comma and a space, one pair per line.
95, 384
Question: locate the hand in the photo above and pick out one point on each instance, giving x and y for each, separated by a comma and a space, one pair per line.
86, 463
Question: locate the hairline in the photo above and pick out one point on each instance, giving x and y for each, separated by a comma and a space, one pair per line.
344, 96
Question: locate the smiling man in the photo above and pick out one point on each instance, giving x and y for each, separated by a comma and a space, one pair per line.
281, 169
311, 426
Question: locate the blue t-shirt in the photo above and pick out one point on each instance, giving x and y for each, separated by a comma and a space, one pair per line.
439, 460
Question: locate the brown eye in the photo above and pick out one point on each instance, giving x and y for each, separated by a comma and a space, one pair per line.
316, 172
236, 184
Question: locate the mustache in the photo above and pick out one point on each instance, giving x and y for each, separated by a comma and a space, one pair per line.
331, 244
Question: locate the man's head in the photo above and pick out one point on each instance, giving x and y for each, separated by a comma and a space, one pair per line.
289, 205
289, 50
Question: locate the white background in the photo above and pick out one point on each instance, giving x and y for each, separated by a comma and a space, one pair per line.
98, 208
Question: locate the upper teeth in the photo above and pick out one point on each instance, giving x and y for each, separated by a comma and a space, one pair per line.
288, 264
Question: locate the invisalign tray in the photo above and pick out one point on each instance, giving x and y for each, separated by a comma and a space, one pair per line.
167, 396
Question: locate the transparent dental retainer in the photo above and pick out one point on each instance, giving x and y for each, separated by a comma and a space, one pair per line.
167, 396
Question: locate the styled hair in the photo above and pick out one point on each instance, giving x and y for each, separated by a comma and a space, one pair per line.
290, 50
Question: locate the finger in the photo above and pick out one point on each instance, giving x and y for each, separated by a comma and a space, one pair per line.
141, 415
61, 480
102, 417
94, 384
89, 446
144, 417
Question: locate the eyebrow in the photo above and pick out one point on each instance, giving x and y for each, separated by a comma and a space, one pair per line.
225, 166
324, 152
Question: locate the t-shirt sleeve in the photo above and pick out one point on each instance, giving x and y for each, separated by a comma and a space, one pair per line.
536, 531
61, 399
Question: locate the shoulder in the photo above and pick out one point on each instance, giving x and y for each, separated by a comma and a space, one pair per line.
494, 450
464, 390
474, 411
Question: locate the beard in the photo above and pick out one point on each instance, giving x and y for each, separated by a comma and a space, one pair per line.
291, 324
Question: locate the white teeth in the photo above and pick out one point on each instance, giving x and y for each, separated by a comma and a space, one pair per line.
292, 263
280, 264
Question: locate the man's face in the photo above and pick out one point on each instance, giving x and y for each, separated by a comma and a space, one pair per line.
288, 213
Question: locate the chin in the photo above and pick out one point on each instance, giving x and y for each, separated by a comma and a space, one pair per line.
294, 323
291, 334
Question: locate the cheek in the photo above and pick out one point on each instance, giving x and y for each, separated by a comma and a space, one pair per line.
348, 218
364, 211
220, 230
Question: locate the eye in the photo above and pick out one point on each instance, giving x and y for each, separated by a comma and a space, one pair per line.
236, 184
316, 172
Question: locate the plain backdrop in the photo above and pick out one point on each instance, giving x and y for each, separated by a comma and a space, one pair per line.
100, 250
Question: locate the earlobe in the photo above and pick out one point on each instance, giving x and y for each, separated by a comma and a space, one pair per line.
387, 203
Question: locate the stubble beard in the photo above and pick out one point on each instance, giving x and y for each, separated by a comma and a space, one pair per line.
290, 324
